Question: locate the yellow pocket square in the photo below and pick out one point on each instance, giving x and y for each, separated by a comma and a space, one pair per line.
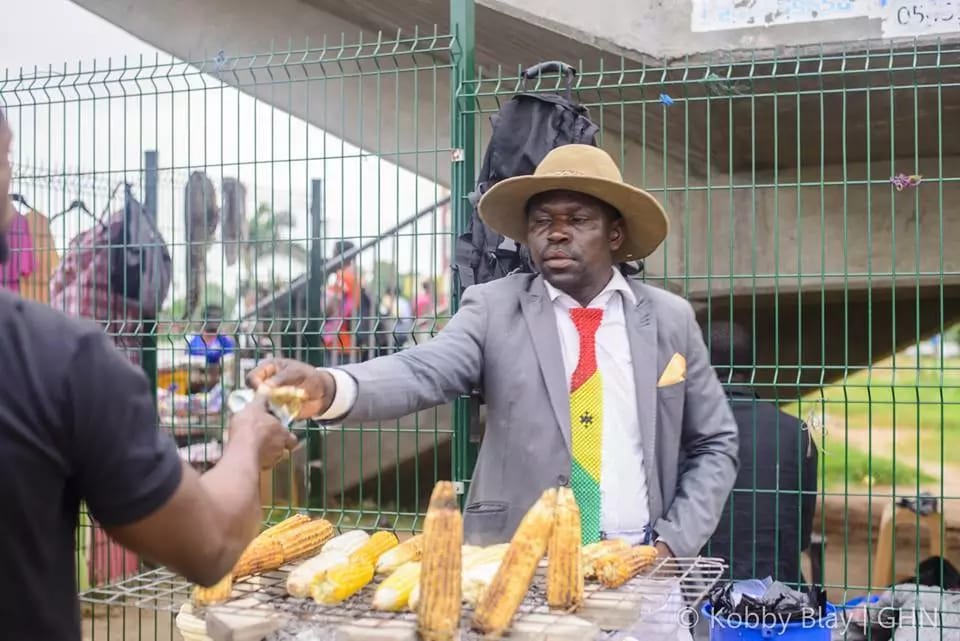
674, 372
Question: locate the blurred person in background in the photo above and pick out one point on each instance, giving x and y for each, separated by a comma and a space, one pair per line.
767, 521
78, 423
212, 346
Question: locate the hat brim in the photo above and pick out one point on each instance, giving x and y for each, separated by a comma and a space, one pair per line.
502, 208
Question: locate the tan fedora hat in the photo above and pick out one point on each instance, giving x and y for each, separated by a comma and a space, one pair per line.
584, 169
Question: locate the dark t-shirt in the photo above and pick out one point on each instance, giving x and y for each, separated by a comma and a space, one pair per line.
77, 422
768, 518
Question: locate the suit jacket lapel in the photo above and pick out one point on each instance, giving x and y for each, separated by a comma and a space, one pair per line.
642, 331
542, 324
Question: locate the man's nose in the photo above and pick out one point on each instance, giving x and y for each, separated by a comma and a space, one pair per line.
558, 232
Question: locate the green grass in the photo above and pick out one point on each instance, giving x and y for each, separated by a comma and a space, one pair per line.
841, 465
908, 405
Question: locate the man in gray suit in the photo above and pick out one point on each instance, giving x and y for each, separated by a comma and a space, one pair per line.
667, 458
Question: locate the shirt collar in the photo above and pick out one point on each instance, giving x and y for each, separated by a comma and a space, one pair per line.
617, 283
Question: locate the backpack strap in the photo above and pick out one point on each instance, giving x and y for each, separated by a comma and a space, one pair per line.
552, 66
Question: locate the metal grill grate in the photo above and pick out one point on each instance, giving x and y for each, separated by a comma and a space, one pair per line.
661, 595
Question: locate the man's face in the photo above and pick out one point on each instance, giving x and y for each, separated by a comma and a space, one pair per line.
6, 208
572, 238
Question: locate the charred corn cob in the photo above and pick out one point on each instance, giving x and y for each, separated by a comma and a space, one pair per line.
394, 593
285, 525
438, 608
301, 578
564, 569
262, 555
500, 601
277, 546
409, 550
347, 543
378, 543
617, 568
342, 582
594, 551
214, 594
304, 540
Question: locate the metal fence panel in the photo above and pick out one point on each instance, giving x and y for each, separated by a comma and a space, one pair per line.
810, 201
278, 191
810, 204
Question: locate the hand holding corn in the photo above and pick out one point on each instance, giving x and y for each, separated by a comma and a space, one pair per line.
256, 428
317, 386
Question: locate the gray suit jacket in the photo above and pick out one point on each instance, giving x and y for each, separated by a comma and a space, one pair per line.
504, 340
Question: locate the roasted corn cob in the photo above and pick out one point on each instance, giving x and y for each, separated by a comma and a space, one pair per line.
378, 543
285, 525
301, 578
347, 543
479, 570
472, 556
482, 556
279, 545
477, 579
500, 601
564, 569
594, 551
409, 550
342, 582
438, 608
214, 594
617, 568
262, 555
394, 593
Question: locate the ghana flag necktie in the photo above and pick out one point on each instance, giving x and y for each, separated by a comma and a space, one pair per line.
586, 423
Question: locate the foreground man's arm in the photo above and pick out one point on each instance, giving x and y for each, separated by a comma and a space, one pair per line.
135, 484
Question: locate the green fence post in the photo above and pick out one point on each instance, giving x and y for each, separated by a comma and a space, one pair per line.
317, 279
149, 338
462, 134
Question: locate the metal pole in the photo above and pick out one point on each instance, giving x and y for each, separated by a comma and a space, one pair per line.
317, 280
462, 133
149, 337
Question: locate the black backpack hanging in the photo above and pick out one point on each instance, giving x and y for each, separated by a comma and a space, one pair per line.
140, 265
525, 130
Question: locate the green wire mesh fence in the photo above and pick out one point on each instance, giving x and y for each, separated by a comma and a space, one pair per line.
811, 202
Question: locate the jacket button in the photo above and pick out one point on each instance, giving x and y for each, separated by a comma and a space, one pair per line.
562, 480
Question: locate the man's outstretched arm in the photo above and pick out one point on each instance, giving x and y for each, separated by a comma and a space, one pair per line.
135, 484
386, 388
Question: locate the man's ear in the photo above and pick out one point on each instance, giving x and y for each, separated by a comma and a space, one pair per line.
616, 234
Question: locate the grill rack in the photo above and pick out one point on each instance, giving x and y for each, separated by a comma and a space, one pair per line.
642, 601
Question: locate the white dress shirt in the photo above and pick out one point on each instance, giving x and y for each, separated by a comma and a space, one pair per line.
625, 510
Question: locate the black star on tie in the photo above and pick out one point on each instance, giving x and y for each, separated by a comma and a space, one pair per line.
586, 419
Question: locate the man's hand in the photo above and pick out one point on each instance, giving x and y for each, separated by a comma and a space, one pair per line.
319, 386
255, 427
